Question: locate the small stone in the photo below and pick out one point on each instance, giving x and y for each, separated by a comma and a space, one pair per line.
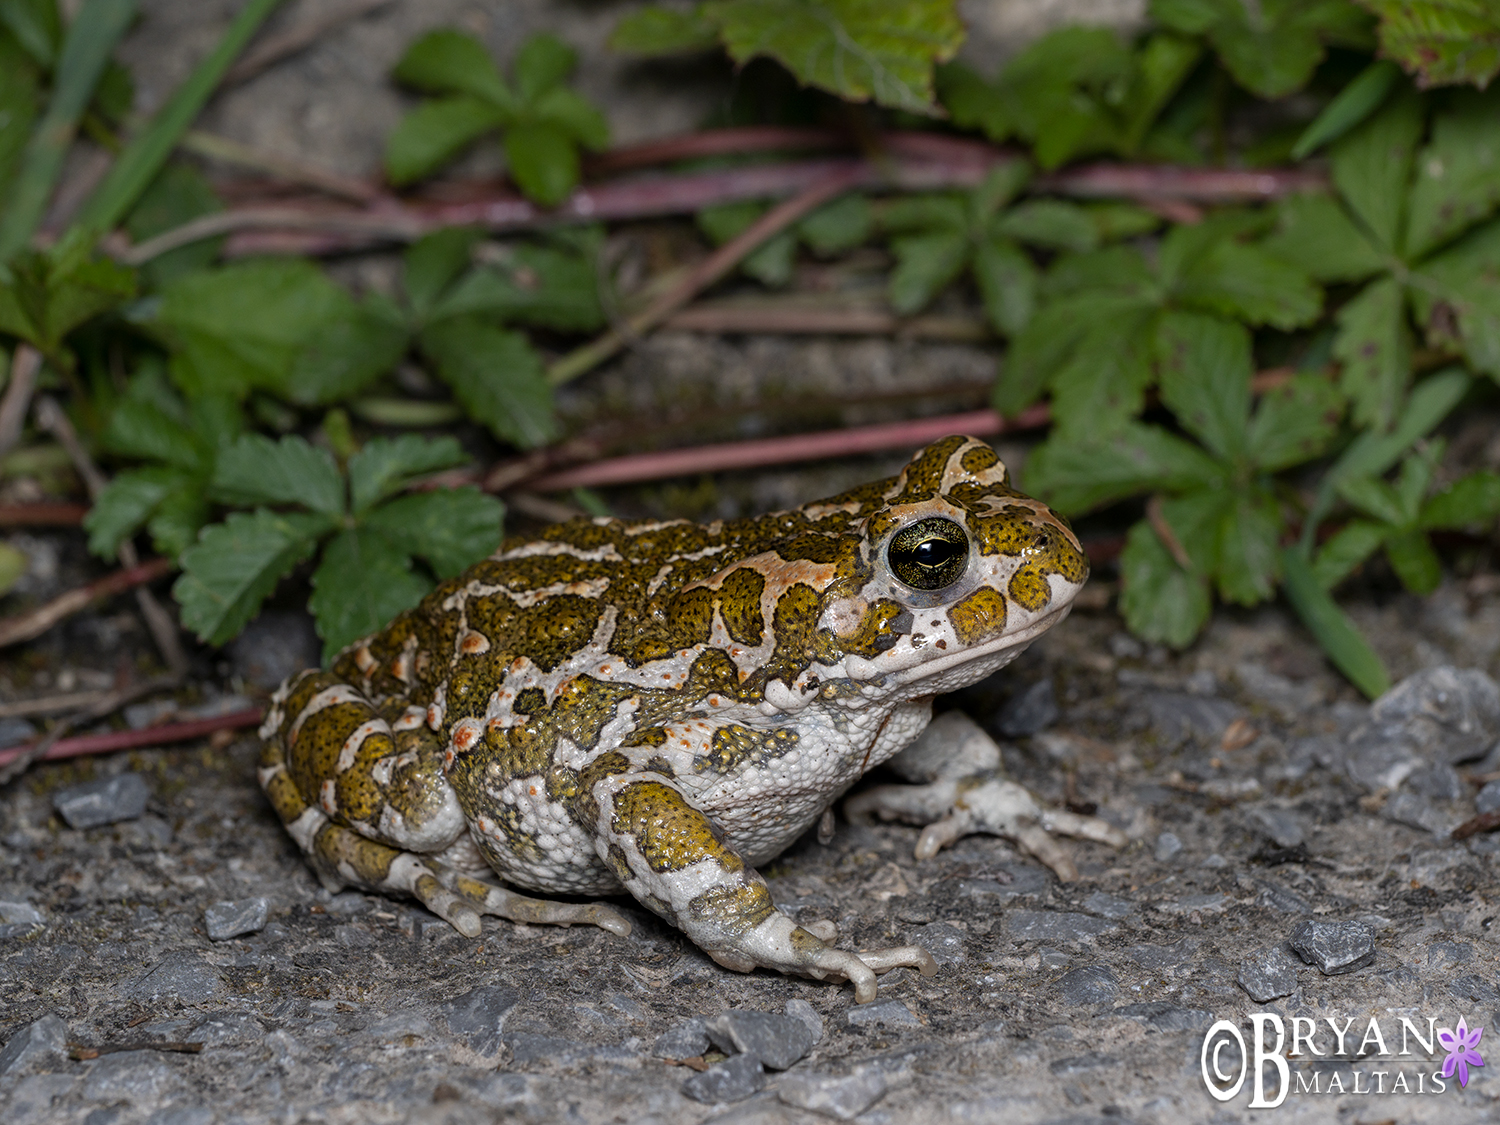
277, 644
1440, 781
778, 1041
1167, 846
1055, 925
110, 799
802, 1010
1334, 947
1417, 811
1475, 989
1076, 1064
1095, 984
1162, 1016
38, 1044
231, 919
882, 1013
1456, 709
1277, 897
14, 731
1029, 711
944, 941
685, 1039
1488, 798
1108, 905
179, 976
1445, 954
1269, 974
1181, 716
225, 1028
1283, 827
20, 913
477, 1016
732, 1080
844, 1097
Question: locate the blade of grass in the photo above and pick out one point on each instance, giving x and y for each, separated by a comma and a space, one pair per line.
1340, 639
91, 37
145, 155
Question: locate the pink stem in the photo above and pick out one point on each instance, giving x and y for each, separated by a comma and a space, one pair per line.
129, 739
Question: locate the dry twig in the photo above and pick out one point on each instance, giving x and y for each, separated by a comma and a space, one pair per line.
25, 364
54, 749
35, 622
223, 149
42, 515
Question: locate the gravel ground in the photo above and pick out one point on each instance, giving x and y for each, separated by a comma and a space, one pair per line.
1290, 850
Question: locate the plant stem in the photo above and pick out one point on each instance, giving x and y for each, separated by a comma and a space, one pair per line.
25, 626
42, 515
294, 171
131, 739
25, 364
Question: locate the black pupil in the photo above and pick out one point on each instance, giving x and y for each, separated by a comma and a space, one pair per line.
929, 555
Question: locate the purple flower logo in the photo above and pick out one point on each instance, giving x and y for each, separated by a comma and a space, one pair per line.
1460, 1045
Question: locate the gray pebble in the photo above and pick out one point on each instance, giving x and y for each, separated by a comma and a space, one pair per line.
1475, 989
14, 730
1283, 827
137, 1076
1488, 798
1167, 846
1055, 925
179, 976
1108, 905
842, 1096
1269, 974
231, 919
686, 1039
478, 1015
277, 644
1079, 1063
944, 941
1334, 947
802, 1010
778, 1041
1440, 781
1277, 897
20, 913
1417, 811
40, 1043
1180, 716
1094, 984
732, 1080
1162, 1016
1029, 711
105, 801
882, 1013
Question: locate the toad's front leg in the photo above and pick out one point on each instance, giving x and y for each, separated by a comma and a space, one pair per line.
669, 855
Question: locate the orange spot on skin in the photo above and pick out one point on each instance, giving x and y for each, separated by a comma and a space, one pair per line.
471, 644
464, 737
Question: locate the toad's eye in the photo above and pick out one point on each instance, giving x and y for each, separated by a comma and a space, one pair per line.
930, 554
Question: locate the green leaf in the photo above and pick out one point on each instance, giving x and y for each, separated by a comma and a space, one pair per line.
925, 265
452, 528
1117, 270
125, 505
543, 62
973, 103
1064, 93
257, 470
1103, 381
13, 566
446, 61
1052, 224
543, 162
348, 354
1161, 65
236, 564
1079, 474
82, 293
496, 376
1315, 233
433, 262
946, 212
179, 193
242, 326
1372, 166
1461, 290
20, 103
1457, 174
1351, 545
1294, 423
1161, 601
1470, 500
386, 465
1350, 106
1249, 561
837, 227
363, 581
857, 49
1205, 370
1441, 41
1374, 346
1007, 281
1340, 639
36, 26
655, 31
1414, 561
143, 430
1115, 221
175, 524
1242, 281
573, 114
1375, 498
434, 133
531, 285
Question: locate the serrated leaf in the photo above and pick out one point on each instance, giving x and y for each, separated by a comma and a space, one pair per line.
1441, 41
1249, 560
1457, 174
1294, 423
1064, 93
1372, 166
973, 103
858, 49
1374, 346
143, 430
1160, 600
257, 470
1458, 298
497, 376
1374, 498
1246, 282
1007, 281
452, 528
532, 285
434, 262
80, 294
182, 513
363, 581
1414, 561
447, 61
1350, 106
1116, 221
1103, 380
925, 265
1205, 369
1351, 545
573, 114
1340, 639
543, 62
837, 227
236, 564
1079, 474
1115, 270
384, 466
124, 506
1315, 233
543, 162
1470, 500
434, 133
654, 31
1161, 65
1052, 224
348, 354
946, 212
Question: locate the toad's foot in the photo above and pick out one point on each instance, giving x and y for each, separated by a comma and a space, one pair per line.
952, 805
779, 943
